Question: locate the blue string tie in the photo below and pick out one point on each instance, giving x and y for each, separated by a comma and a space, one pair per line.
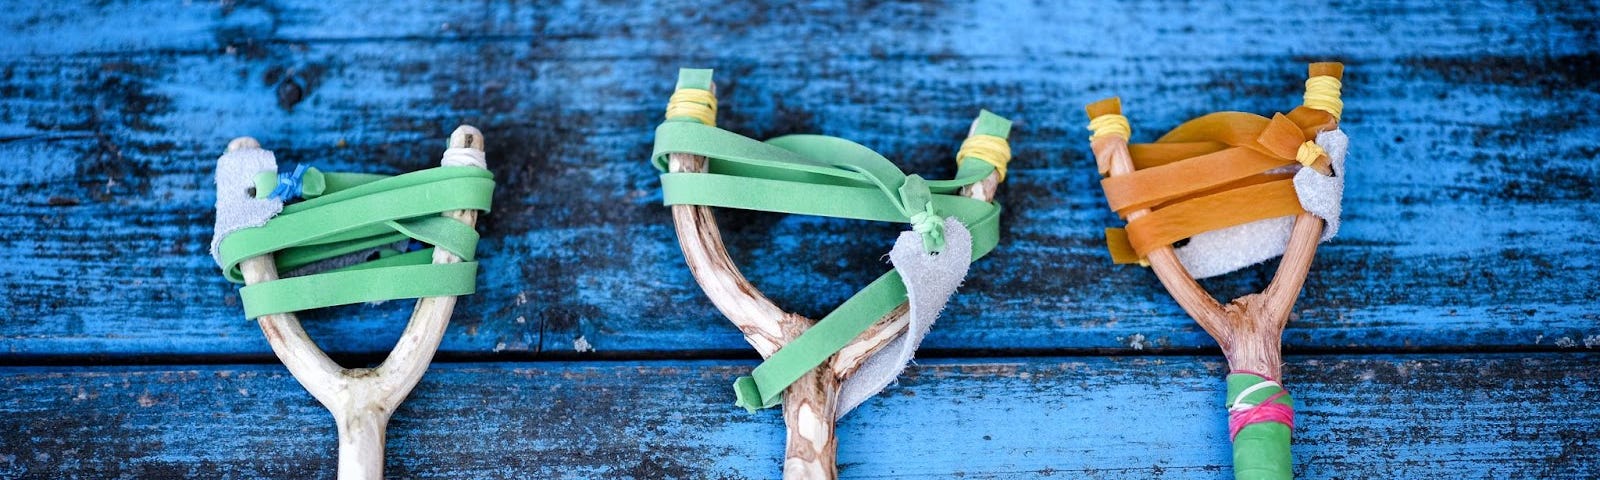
289, 187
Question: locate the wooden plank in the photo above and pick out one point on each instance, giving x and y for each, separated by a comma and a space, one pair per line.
1469, 213
1415, 417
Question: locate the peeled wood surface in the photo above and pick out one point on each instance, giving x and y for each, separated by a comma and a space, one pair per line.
1469, 218
1416, 417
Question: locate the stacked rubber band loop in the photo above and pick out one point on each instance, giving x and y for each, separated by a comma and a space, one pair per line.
989, 149
694, 103
1109, 124
1323, 93
365, 216
830, 177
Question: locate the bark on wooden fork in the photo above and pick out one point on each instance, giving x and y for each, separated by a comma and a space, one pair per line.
362, 399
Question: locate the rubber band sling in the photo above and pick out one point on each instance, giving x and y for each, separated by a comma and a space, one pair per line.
353, 212
829, 177
1216, 171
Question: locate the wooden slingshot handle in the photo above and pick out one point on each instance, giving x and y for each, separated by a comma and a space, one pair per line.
809, 403
361, 399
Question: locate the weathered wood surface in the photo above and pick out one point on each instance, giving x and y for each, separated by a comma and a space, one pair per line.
1412, 416
1470, 226
1470, 216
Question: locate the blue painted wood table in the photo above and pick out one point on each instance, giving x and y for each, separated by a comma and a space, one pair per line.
1448, 332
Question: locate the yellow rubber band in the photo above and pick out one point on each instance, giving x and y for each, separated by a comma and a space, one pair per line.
987, 148
694, 103
1309, 153
1322, 93
1110, 124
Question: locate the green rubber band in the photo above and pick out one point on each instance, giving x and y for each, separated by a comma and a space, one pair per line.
358, 286
341, 181
445, 233
761, 157
387, 184
823, 176
450, 235
292, 258
1260, 450
699, 78
764, 387
802, 198
990, 124
328, 218
419, 257
316, 182
355, 213
729, 153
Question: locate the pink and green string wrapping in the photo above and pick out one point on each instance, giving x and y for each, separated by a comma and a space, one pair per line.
1260, 422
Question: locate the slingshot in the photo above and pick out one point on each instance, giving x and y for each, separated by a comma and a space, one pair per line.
355, 230
819, 370
1230, 183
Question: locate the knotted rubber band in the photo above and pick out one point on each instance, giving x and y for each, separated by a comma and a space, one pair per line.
924, 222
916, 202
1309, 152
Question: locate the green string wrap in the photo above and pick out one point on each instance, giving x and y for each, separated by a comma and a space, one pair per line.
822, 176
353, 212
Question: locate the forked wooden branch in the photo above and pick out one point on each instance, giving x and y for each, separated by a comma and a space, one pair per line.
362, 399
809, 403
1250, 328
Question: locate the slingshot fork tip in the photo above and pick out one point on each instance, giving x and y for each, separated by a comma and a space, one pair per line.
466, 136
243, 143
1106, 106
